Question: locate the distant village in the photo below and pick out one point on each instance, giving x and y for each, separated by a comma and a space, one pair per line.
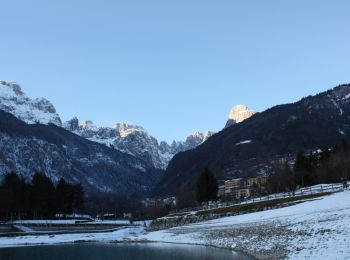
236, 189
229, 190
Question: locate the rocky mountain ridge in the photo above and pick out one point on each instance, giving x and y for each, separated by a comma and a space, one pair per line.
29, 148
31, 111
131, 139
119, 159
238, 114
252, 147
135, 140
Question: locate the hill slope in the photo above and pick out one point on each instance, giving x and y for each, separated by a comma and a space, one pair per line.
27, 148
131, 139
247, 148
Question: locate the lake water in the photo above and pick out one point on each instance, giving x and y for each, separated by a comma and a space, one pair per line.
97, 251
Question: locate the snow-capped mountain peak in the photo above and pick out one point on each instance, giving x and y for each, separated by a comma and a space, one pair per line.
136, 141
127, 138
72, 125
208, 134
10, 89
195, 139
238, 114
88, 125
126, 129
31, 111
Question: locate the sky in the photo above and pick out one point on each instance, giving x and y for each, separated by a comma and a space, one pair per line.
172, 66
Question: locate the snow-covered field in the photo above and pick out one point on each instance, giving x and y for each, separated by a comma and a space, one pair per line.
46, 222
315, 229
124, 234
74, 221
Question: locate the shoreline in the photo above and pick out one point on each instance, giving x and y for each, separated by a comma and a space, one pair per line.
127, 242
316, 229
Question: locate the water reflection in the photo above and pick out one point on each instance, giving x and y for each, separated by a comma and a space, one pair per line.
139, 251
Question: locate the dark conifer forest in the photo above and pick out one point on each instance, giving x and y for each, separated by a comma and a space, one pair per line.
328, 165
38, 199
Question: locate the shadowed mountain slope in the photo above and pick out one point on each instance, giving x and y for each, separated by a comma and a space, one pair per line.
248, 148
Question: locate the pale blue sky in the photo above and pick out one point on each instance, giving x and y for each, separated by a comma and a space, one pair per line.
173, 66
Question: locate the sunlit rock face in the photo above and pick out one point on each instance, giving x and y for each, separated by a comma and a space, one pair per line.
238, 114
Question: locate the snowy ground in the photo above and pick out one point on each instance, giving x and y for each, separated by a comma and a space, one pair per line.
124, 234
73, 222
315, 229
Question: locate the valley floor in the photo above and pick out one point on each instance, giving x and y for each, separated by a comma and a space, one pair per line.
314, 229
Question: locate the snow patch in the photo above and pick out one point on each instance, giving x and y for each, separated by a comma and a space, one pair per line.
244, 142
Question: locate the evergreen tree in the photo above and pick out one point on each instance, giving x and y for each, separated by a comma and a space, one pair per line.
304, 169
38, 199
69, 197
325, 154
186, 197
281, 178
341, 148
19, 194
207, 186
42, 195
62, 197
78, 197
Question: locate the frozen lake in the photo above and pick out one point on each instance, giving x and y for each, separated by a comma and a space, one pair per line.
93, 251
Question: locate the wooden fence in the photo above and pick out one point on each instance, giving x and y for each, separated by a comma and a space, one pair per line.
317, 189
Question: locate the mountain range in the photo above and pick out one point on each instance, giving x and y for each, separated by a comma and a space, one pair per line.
126, 159
251, 147
135, 140
119, 159
130, 139
48, 148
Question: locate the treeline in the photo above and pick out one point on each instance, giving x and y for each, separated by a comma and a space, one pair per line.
38, 199
325, 166
116, 205
206, 190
